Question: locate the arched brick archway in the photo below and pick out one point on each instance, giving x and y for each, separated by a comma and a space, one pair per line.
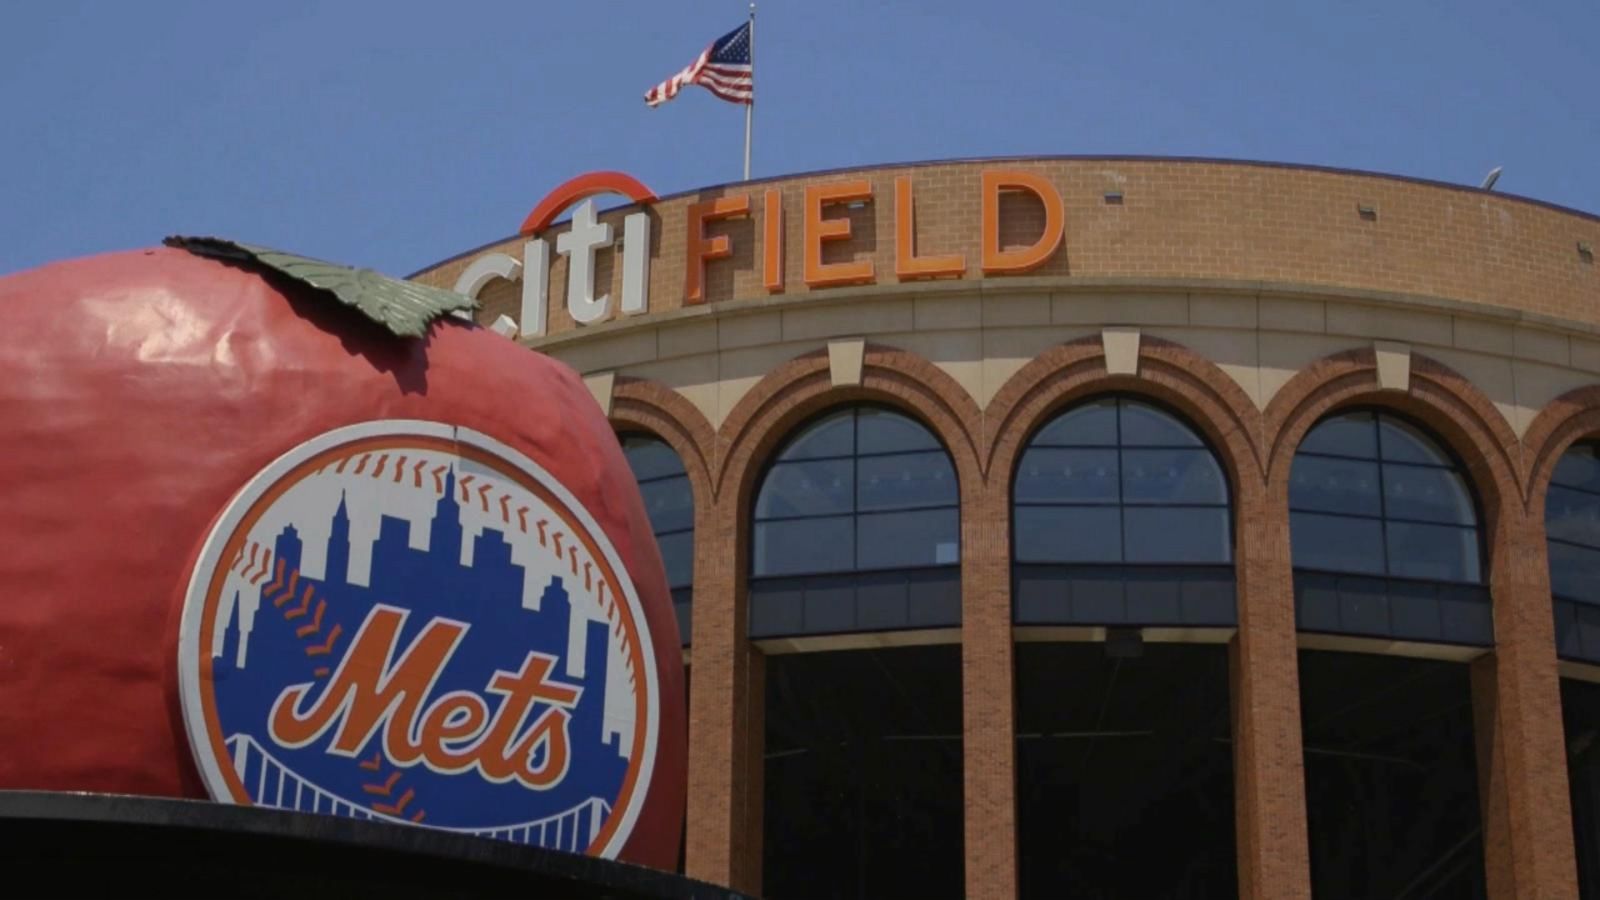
1516, 701
1438, 397
1569, 418
639, 404
1566, 420
1169, 373
726, 708
649, 407
803, 387
1268, 782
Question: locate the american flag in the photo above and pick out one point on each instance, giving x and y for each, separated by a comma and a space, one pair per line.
722, 68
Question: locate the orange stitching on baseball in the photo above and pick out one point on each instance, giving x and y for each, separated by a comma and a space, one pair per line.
399, 469
522, 519
540, 525
277, 582
483, 495
462, 482
379, 470
315, 625
326, 646
320, 672
397, 808
294, 582
305, 604
373, 764
438, 482
266, 566
384, 789
361, 466
505, 508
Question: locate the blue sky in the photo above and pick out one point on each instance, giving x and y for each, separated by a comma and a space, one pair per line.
394, 134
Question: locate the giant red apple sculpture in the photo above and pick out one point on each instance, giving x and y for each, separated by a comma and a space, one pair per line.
259, 545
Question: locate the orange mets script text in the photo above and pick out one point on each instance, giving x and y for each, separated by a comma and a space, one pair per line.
456, 732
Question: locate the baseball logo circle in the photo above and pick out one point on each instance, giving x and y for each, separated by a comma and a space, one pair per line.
412, 622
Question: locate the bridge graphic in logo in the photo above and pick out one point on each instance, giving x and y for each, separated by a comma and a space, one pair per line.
408, 622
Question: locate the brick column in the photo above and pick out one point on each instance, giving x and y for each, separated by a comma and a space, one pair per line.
1264, 675
721, 844
987, 695
1516, 702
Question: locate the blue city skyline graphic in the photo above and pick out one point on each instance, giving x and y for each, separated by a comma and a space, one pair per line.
428, 583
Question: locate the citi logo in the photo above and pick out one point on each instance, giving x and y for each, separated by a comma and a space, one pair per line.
581, 245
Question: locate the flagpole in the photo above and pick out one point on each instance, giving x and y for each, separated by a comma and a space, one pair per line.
749, 108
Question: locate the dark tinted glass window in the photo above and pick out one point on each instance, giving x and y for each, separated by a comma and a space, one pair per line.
1574, 571
1580, 468
1375, 495
1118, 480
667, 500
856, 490
1092, 424
1572, 525
830, 436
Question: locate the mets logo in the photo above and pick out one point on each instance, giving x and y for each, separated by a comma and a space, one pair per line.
411, 622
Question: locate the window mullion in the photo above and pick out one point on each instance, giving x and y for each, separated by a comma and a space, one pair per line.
1122, 472
855, 489
1383, 497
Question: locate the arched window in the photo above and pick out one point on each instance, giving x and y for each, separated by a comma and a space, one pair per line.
856, 527
1572, 527
1384, 530
1121, 516
669, 502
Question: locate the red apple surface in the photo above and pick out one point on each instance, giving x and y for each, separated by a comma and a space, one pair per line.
253, 539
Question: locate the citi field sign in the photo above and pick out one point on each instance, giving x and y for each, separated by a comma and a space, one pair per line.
825, 221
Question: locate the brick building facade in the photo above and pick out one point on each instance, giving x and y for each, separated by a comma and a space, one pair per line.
1252, 302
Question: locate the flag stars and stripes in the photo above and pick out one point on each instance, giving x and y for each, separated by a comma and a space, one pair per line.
723, 68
